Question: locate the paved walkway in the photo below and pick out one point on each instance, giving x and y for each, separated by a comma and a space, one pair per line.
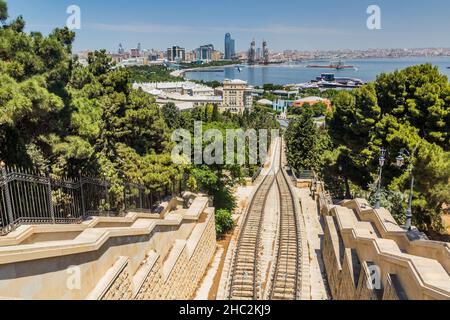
314, 232
269, 237
207, 284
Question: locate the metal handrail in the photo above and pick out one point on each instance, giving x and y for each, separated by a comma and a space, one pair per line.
30, 197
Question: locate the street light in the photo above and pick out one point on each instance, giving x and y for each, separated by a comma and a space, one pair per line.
400, 163
400, 160
313, 188
382, 161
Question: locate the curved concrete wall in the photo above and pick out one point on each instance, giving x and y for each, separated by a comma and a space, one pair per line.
359, 240
111, 262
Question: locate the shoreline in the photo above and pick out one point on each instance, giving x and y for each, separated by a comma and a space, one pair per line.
365, 69
181, 73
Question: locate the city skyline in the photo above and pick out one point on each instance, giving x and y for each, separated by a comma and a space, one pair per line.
299, 25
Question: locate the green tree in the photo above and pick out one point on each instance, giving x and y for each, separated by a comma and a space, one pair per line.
302, 138
418, 95
172, 116
142, 74
399, 110
3, 11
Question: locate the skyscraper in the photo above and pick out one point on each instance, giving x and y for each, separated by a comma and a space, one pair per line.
176, 53
230, 47
265, 53
204, 53
121, 49
252, 53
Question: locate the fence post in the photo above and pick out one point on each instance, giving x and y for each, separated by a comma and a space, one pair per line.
141, 200
151, 200
107, 197
125, 207
7, 195
83, 206
49, 196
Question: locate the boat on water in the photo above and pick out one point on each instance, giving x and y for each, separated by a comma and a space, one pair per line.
338, 65
240, 68
303, 86
329, 81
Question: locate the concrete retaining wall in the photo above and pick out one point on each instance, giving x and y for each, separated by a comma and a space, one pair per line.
150, 257
367, 260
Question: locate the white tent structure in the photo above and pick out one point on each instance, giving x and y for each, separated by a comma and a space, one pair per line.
264, 102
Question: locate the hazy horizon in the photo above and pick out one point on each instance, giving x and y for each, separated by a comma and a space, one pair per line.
285, 24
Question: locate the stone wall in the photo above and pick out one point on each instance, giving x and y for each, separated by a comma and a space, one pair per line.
181, 281
332, 253
138, 257
120, 289
361, 264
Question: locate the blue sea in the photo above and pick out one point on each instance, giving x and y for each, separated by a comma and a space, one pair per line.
365, 69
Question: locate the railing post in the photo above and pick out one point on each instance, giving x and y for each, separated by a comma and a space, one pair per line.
141, 200
49, 196
125, 208
83, 206
107, 197
150, 197
7, 195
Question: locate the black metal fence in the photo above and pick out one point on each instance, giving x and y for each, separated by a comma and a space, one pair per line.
30, 197
304, 174
257, 173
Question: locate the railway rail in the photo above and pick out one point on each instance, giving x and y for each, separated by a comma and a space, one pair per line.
245, 269
245, 273
285, 282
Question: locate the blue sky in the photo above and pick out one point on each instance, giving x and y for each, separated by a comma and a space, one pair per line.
285, 24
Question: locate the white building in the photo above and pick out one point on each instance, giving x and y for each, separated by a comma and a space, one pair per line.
184, 88
185, 95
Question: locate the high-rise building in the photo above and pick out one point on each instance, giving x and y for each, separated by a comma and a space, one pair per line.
258, 54
205, 53
252, 53
265, 53
230, 47
176, 53
121, 49
216, 55
190, 56
135, 53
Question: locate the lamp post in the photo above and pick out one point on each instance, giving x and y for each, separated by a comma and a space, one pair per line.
382, 160
400, 163
314, 188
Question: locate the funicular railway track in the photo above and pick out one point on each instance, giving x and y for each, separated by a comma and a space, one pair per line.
285, 282
245, 268
244, 277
